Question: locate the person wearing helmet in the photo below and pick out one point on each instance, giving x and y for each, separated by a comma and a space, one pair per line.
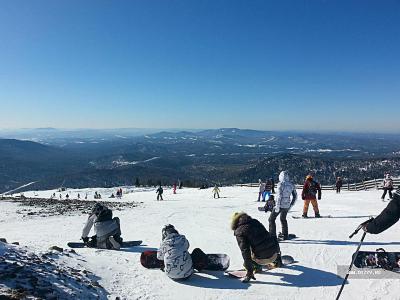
258, 247
107, 230
174, 252
309, 194
283, 203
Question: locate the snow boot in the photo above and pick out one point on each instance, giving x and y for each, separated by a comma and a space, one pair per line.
114, 243
304, 216
282, 236
317, 215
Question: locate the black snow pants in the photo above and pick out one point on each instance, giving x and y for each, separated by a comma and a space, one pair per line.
272, 226
385, 190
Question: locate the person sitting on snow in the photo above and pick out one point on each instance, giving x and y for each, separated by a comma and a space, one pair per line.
258, 247
107, 230
388, 217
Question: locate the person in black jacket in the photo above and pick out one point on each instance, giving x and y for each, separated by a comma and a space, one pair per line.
388, 217
258, 247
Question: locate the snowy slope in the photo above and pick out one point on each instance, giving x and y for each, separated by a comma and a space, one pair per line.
323, 244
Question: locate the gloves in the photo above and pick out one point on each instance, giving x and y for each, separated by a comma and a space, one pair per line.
277, 209
365, 224
85, 239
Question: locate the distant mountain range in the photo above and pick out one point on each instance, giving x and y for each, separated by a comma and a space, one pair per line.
90, 158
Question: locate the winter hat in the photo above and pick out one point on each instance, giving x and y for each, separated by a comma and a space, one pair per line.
168, 229
309, 177
235, 218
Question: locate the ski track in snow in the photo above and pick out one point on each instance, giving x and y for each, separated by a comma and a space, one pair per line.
322, 244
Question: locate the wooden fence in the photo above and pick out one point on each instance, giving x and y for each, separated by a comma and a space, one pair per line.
360, 186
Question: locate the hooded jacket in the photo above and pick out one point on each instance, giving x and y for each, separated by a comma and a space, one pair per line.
174, 252
388, 182
252, 237
389, 216
310, 190
284, 190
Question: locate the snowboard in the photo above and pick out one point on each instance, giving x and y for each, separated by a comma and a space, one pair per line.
378, 259
125, 244
215, 262
322, 217
291, 236
239, 274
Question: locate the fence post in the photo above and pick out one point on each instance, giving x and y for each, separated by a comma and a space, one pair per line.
348, 186
376, 184
364, 185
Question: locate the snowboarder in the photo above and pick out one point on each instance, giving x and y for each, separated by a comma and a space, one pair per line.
309, 194
258, 247
107, 229
261, 189
174, 188
159, 193
283, 203
388, 217
387, 186
339, 184
216, 191
268, 189
174, 252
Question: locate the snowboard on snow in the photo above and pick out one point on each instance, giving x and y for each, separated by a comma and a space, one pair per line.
215, 262
321, 217
240, 274
125, 244
379, 259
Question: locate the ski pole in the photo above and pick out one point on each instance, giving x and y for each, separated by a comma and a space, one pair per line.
353, 259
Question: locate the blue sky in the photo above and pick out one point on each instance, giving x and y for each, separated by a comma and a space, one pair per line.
274, 65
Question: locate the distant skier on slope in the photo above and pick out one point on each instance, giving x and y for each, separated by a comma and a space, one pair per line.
106, 229
339, 184
159, 192
387, 186
216, 191
258, 247
388, 217
285, 189
309, 194
261, 189
174, 188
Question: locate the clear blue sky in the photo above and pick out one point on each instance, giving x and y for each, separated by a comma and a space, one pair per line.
313, 65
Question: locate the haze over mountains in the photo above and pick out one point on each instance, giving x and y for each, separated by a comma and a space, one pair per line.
102, 158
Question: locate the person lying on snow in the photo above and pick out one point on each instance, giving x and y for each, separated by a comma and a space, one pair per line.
258, 247
179, 264
388, 217
107, 230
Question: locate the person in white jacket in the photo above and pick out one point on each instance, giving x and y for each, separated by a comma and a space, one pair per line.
174, 252
107, 230
285, 198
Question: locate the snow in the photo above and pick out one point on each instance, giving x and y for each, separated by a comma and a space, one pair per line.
322, 246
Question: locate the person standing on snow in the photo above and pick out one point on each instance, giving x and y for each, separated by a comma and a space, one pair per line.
388, 217
258, 247
107, 230
309, 194
261, 189
174, 188
268, 189
283, 203
159, 192
339, 184
216, 191
387, 186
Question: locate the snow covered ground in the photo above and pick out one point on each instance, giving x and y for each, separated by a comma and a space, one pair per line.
323, 244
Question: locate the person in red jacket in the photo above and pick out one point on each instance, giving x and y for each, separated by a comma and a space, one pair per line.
309, 194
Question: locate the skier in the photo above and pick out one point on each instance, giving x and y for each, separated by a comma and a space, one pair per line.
268, 189
285, 189
339, 184
387, 186
389, 216
258, 247
216, 191
261, 189
159, 193
179, 264
309, 194
174, 188
107, 229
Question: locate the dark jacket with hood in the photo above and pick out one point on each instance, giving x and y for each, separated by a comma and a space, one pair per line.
252, 237
389, 216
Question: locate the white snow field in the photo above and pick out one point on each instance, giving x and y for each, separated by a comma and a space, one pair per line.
322, 244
